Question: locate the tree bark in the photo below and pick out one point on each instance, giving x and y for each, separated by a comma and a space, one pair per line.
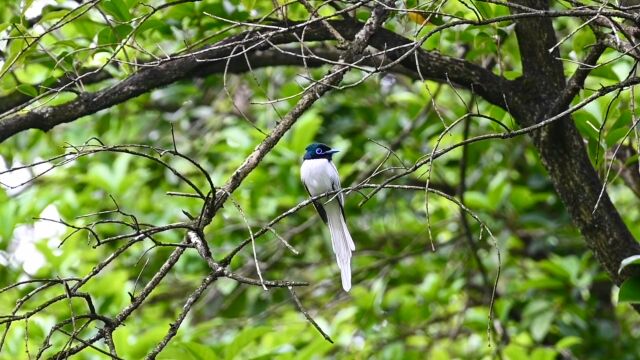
561, 147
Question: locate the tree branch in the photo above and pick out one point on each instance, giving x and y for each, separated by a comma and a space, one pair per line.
333, 77
214, 60
191, 300
560, 145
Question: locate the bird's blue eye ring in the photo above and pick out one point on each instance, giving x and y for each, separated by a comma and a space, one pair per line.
318, 151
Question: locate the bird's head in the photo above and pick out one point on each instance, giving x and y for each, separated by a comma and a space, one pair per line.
319, 151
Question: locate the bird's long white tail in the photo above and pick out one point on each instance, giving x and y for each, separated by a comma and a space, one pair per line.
341, 241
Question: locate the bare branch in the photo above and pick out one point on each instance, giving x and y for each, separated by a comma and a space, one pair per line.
191, 300
296, 301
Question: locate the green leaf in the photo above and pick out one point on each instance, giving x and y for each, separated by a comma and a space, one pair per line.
249, 4
522, 198
7, 213
109, 36
122, 31
54, 15
477, 200
541, 315
515, 352
630, 291
82, 26
150, 24
616, 135
485, 43
13, 54
314, 350
244, 338
485, 10
406, 98
33, 73
189, 351
544, 354
27, 89
583, 40
117, 8
623, 121
587, 124
541, 283
565, 268
567, 342
541, 324
605, 72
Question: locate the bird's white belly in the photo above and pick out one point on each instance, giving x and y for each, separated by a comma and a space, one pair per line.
318, 175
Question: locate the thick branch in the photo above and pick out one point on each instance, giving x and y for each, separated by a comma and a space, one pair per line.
215, 58
560, 145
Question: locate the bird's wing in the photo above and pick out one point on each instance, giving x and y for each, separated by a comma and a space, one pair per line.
317, 205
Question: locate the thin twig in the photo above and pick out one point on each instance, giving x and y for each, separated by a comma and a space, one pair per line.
307, 316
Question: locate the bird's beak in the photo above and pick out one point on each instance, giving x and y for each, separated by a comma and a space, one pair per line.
332, 151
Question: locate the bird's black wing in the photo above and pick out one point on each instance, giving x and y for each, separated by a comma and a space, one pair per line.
318, 206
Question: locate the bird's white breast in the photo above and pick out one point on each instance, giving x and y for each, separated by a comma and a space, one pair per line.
319, 176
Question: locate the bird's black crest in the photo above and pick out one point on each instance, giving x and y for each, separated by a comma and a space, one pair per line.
319, 151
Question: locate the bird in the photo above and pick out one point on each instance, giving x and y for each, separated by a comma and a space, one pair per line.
319, 175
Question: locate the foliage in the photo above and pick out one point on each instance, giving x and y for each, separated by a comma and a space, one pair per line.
552, 299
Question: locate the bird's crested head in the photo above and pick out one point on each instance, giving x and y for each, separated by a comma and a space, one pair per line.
319, 151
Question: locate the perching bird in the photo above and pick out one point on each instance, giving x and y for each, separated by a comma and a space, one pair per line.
319, 175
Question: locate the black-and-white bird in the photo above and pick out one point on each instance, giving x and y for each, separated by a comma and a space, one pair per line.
319, 175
